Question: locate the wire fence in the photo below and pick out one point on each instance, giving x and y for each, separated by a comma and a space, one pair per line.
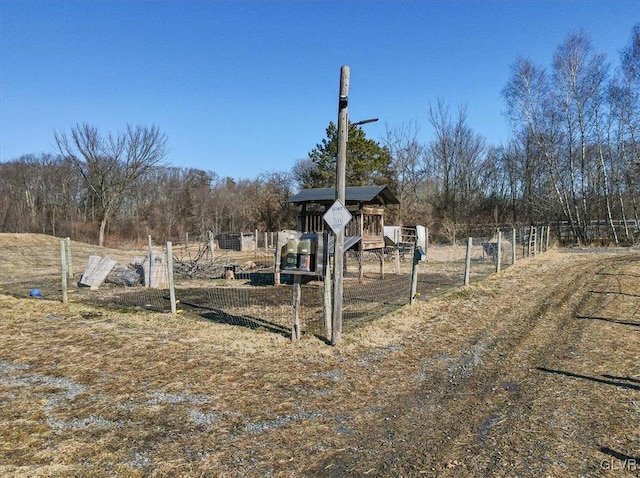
238, 287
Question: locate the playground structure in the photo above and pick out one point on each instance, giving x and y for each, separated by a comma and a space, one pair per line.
365, 232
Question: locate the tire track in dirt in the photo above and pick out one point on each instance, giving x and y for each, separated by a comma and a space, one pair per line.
467, 402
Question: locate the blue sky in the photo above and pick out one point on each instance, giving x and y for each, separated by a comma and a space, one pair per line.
245, 87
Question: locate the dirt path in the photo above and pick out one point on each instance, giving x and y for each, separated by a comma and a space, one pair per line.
510, 404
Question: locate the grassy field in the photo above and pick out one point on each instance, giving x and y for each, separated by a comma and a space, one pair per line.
532, 372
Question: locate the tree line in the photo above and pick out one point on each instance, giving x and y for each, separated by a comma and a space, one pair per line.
573, 157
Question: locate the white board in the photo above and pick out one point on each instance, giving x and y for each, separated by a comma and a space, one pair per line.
96, 271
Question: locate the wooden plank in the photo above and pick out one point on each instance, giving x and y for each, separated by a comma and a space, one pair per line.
155, 271
372, 210
92, 263
96, 274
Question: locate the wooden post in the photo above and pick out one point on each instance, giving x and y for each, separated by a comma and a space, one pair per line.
186, 241
541, 242
295, 327
255, 241
341, 166
360, 219
211, 244
382, 250
467, 262
414, 275
276, 267
266, 241
548, 236
499, 252
63, 266
327, 303
69, 258
148, 274
241, 242
513, 246
396, 254
426, 243
172, 289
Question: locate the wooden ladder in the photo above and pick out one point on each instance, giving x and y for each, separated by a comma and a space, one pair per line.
533, 241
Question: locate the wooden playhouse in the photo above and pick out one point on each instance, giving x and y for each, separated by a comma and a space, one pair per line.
365, 232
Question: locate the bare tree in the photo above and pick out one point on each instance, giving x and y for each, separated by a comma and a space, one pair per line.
456, 155
111, 164
408, 163
533, 113
579, 75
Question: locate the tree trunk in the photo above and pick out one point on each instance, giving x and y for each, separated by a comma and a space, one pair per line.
103, 226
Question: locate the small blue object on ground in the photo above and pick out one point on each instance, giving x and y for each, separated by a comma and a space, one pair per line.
35, 293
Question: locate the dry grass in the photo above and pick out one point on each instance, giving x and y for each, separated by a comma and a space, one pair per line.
530, 373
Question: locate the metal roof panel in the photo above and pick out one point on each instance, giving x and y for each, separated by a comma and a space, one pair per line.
353, 194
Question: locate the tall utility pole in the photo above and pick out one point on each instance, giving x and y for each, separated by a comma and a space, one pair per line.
341, 167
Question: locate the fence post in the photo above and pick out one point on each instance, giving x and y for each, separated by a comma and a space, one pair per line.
426, 243
295, 327
541, 241
548, 236
172, 289
255, 241
327, 309
513, 246
266, 241
69, 258
211, 244
63, 266
467, 262
148, 274
499, 252
278, 260
414, 275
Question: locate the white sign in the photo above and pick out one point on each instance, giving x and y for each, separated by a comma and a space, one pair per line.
337, 216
